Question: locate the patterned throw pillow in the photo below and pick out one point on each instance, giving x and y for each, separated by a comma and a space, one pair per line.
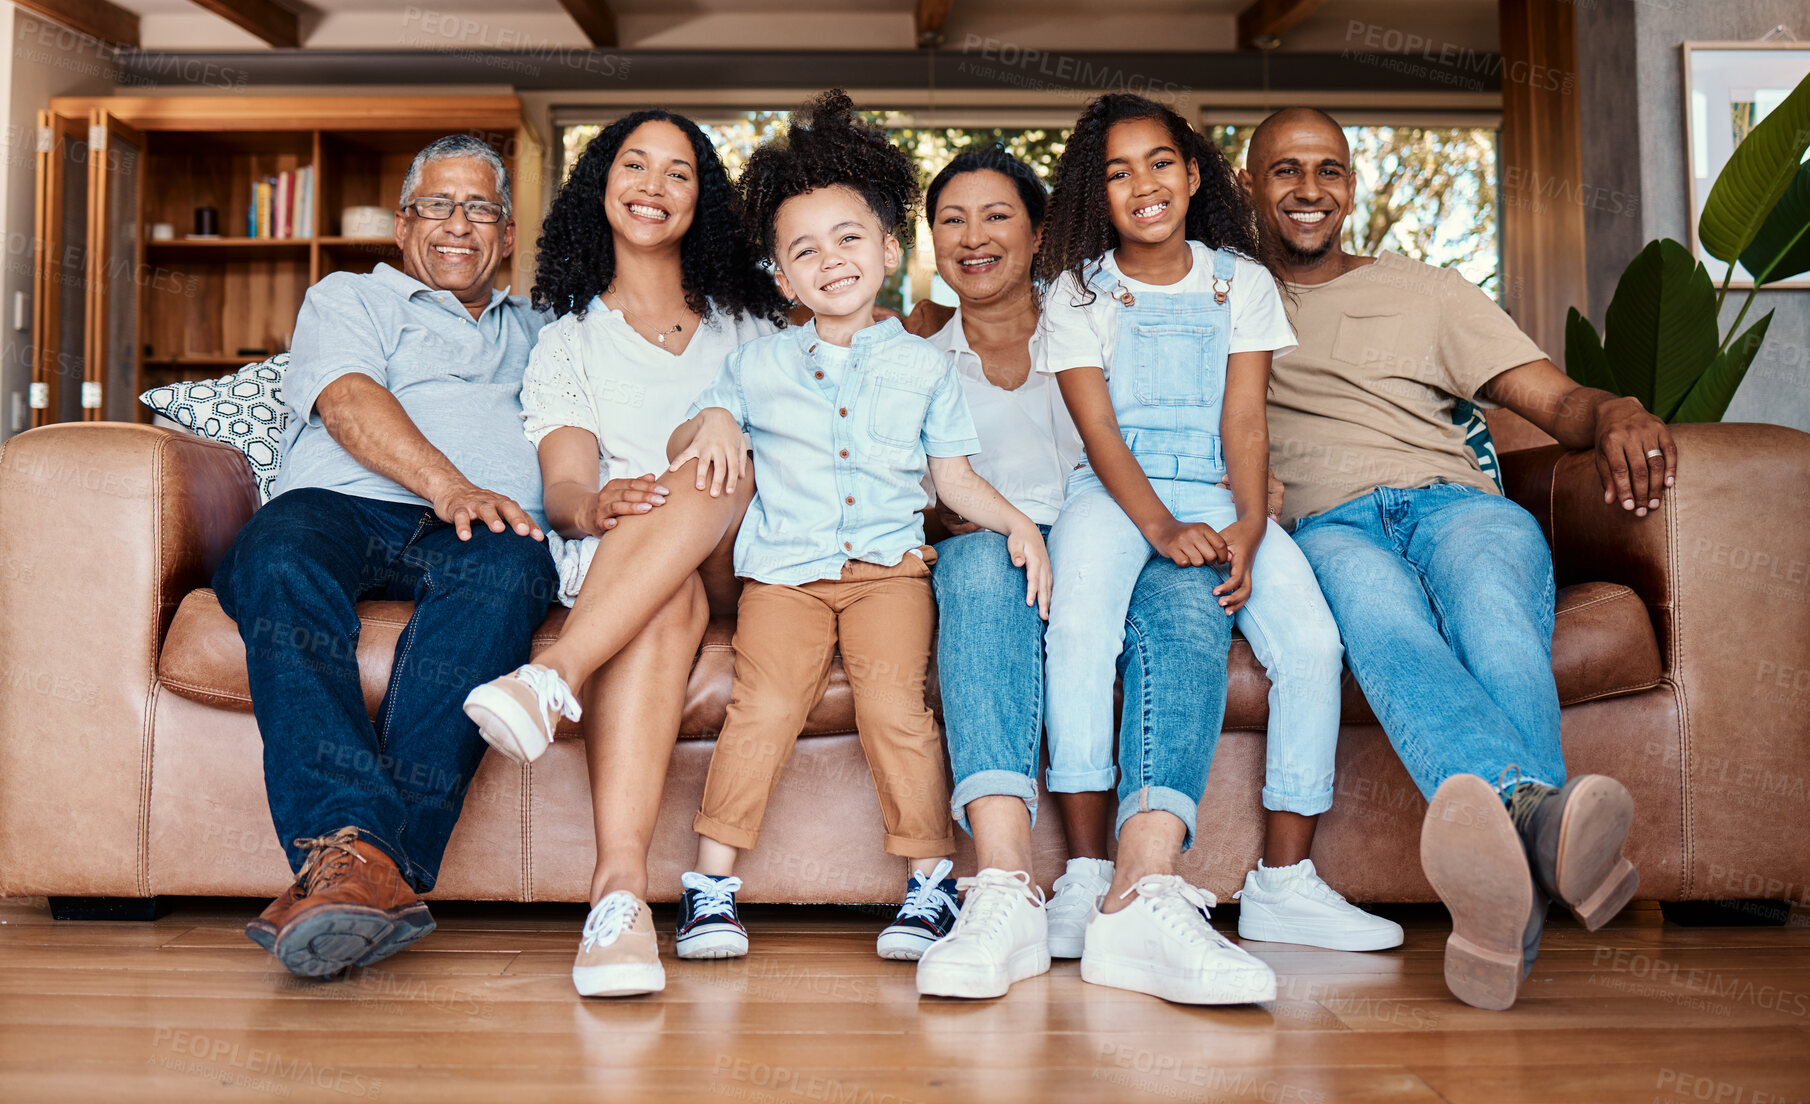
244, 410
1477, 436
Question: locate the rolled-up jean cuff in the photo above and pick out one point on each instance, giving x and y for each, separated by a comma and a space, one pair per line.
729, 835
1277, 801
992, 783
1159, 799
906, 848
1095, 781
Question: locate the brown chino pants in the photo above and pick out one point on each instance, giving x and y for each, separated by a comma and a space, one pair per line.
785, 637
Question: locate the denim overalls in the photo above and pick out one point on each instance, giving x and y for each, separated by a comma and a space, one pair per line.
1167, 377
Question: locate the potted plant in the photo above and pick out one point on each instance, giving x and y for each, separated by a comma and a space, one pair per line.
1662, 345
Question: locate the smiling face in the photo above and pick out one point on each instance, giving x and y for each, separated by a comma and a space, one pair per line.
833, 254
983, 236
651, 194
455, 254
1298, 172
1148, 182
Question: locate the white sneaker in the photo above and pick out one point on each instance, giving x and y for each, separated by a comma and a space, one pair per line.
1162, 944
1290, 904
515, 713
619, 955
1000, 936
1074, 903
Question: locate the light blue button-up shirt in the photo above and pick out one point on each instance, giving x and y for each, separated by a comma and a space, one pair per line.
840, 450
458, 378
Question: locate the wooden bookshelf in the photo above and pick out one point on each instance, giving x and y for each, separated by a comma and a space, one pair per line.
118, 312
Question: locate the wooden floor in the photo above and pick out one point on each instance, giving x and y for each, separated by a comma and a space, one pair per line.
186, 1009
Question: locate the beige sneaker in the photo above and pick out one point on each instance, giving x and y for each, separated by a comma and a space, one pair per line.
516, 713
619, 955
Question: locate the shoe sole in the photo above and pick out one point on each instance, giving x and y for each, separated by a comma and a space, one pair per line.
954, 980
1473, 856
263, 933
1140, 978
1594, 880
901, 946
501, 720
323, 941
712, 943
1264, 930
411, 924
626, 979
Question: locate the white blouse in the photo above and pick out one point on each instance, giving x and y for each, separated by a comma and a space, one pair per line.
597, 374
1028, 442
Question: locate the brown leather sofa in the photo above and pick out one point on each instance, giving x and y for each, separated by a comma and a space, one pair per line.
130, 761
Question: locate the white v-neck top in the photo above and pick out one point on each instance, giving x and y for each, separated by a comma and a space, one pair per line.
597, 374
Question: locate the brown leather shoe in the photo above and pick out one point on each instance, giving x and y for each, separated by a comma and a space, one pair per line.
355, 908
263, 930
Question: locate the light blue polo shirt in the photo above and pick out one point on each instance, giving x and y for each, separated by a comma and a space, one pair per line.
459, 379
841, 446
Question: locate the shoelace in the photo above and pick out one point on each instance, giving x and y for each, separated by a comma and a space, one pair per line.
715, 895
926, 899
1181, 907
329, 858
613, 915
987, 898
550, 691
1523, 796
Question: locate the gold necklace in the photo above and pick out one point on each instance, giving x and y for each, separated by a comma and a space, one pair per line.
659, 335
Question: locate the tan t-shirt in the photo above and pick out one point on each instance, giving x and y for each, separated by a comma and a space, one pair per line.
1366, 401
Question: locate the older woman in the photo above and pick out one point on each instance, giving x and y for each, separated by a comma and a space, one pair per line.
986, 209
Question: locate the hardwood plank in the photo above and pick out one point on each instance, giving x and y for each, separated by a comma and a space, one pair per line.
276, 26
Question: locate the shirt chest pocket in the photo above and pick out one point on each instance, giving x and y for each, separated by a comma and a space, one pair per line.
1367, 339
896, 412
1178, 364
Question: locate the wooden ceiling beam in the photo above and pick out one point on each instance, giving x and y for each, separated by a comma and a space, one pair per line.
931, 16
106, 22
1271, 19
596, 20
276, 26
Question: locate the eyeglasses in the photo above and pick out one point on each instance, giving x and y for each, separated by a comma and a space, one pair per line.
476, 210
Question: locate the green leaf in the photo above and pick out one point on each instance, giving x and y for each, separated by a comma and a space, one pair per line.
1757, 174
1661, 326
1709, 400
1584, 359
1781, 249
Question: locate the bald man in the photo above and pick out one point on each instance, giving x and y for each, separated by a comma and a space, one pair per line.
1442, 588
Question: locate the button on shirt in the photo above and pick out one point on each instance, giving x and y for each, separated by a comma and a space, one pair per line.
458, 378
841, 446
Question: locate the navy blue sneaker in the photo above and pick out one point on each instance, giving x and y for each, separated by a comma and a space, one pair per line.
926, 916
708, 925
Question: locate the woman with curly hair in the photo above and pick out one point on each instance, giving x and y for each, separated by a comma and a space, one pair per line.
1159, 324
643, 261
847, 415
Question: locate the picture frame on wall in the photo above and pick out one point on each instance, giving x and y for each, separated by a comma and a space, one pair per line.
1728, 87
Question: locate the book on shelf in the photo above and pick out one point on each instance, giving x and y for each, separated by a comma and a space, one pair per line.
282, 206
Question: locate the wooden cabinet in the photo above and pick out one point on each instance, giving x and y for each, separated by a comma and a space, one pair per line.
117, 312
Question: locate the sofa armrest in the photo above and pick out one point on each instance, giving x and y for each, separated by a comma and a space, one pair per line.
1724, 567
104, 527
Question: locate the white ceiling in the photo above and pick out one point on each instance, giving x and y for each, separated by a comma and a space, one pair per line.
1074, 25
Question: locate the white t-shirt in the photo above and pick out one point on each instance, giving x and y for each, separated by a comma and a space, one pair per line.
1028, 442
599, 375
1081, 335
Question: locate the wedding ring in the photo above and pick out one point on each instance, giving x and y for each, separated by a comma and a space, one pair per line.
1655, 452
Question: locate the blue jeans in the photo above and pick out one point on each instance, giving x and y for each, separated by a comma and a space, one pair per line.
1096, 551
990, 666
291, 581
1445, 598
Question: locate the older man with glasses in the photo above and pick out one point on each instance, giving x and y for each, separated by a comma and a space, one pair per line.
406, 477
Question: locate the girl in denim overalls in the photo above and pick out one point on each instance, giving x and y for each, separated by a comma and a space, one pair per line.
1162, 328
